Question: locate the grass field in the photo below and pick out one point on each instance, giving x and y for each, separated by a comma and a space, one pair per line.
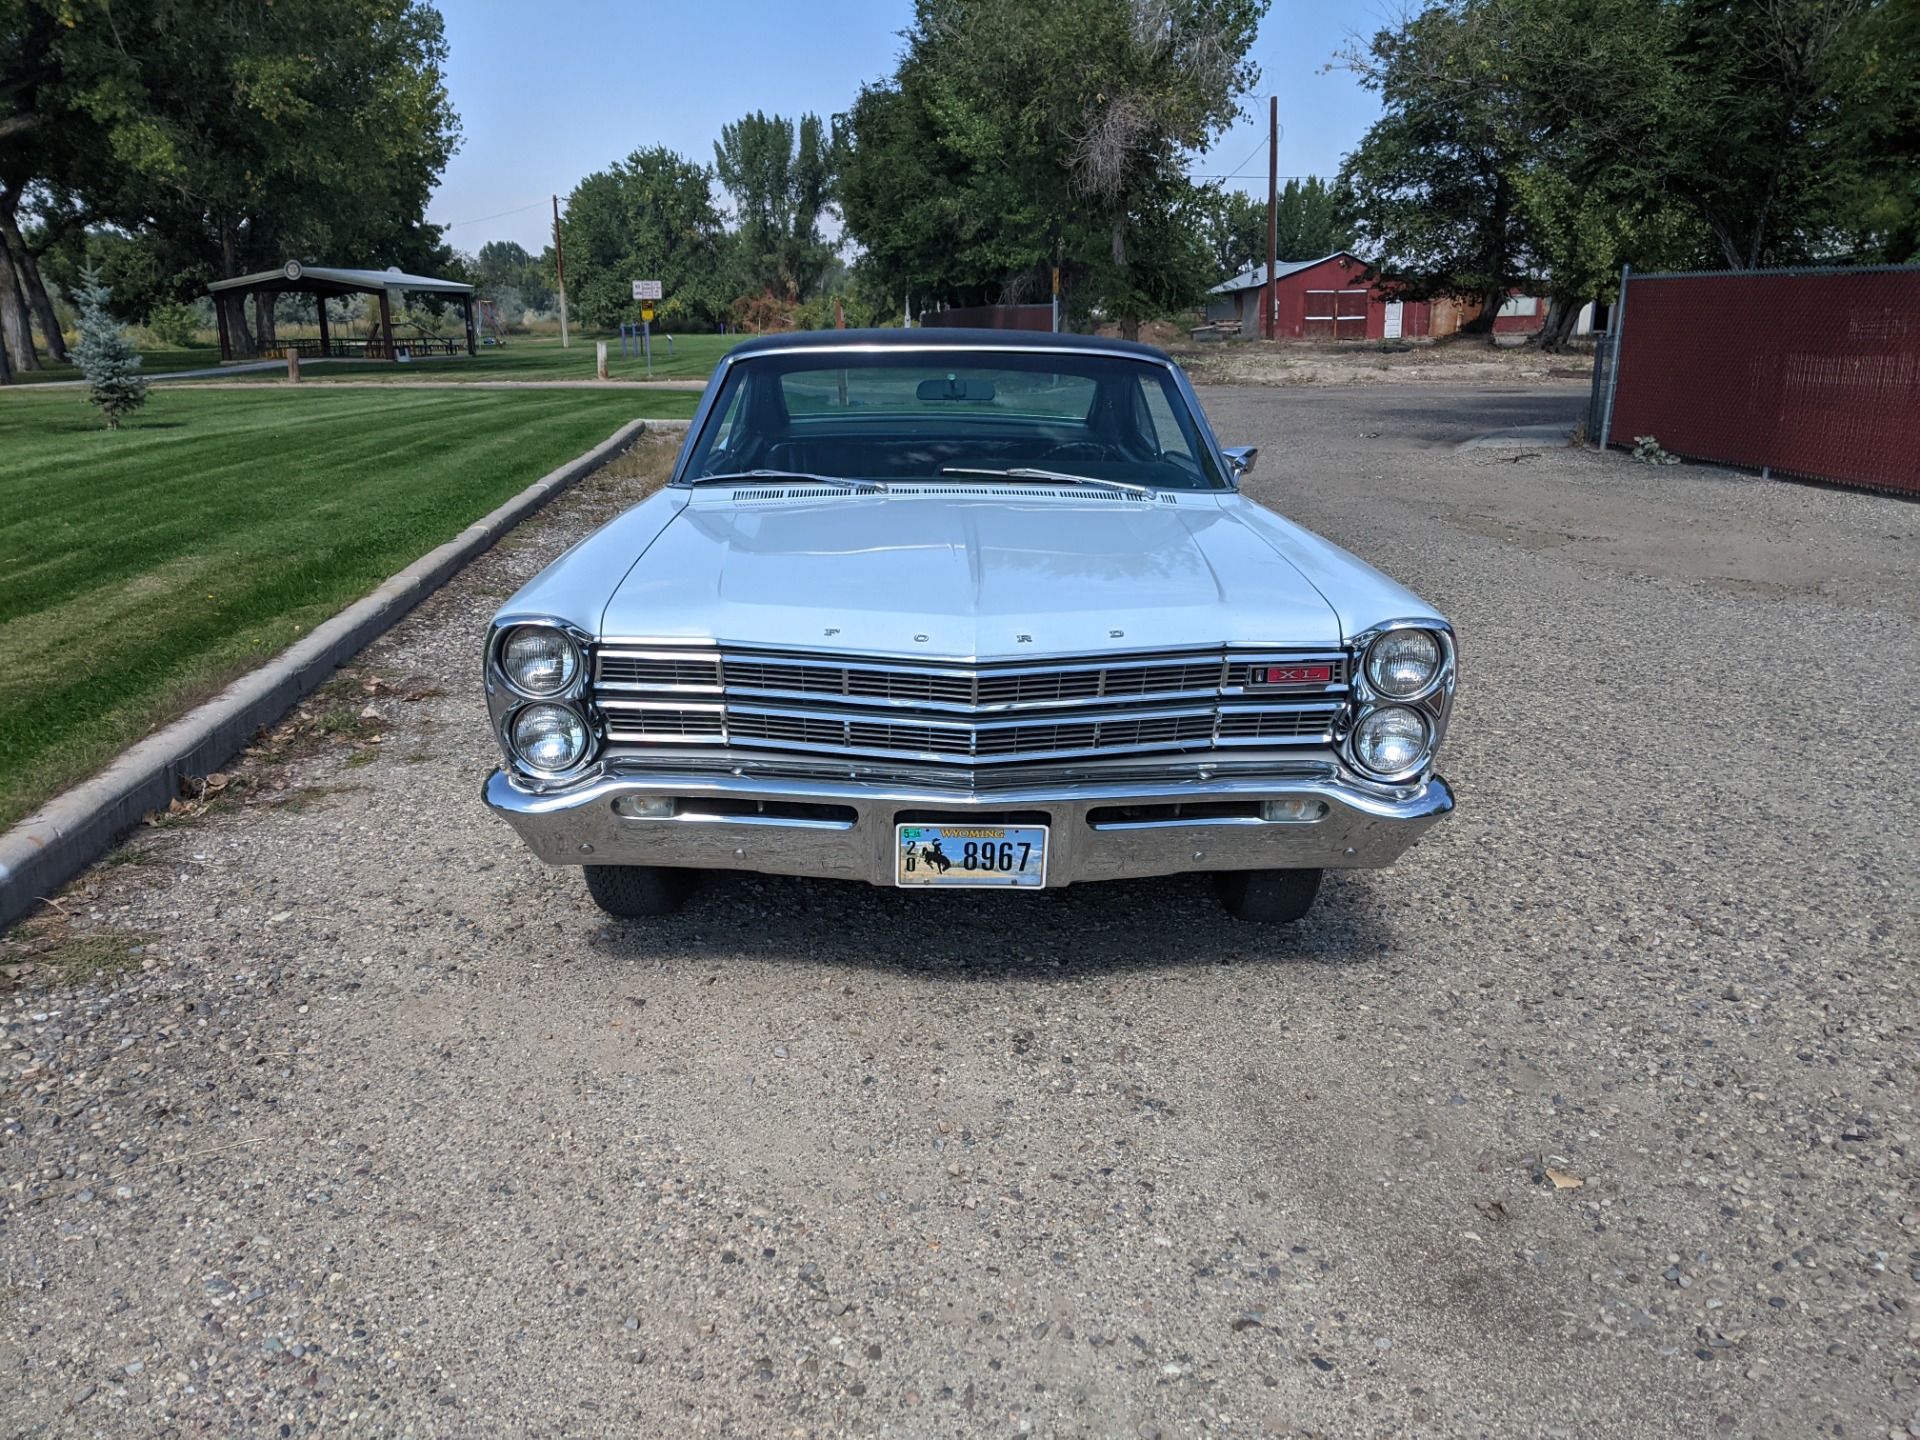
529, 357
141, 570
154, 362
533, 357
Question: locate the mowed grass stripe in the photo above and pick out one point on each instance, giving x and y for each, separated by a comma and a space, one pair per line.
143, 569
529, 357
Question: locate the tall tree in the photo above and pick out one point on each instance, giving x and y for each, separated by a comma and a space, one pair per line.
1876, 65
1307, 226
1236, 232
1429, 190
1013, 126
230, 135
648, 217
779, 176
33, 147
1560, 139
514, 280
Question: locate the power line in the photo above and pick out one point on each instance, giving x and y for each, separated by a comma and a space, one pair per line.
1250, 154
484, 218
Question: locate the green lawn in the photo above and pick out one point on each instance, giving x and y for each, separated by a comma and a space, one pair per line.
154, 362
538, 358
142, 569
529, 357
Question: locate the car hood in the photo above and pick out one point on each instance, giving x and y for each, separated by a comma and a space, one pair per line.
967, 577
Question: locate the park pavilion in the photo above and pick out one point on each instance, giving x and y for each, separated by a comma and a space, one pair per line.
323, 283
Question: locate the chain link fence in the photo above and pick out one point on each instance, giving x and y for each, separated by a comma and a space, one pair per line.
1812, 373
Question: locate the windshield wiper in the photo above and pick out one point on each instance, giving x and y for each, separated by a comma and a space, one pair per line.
1023, 472
865, 487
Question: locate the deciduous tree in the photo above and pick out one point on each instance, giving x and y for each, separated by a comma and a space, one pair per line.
1013, 126
1560, 139
229, 135
648, 217
505, 273
1429, 190
780, 177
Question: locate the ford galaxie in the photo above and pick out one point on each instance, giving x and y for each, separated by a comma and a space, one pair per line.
947, 608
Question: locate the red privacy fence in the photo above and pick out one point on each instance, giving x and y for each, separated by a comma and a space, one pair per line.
1813, 373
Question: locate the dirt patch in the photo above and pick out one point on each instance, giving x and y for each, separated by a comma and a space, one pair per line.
1459, 360
49, 949
649, 460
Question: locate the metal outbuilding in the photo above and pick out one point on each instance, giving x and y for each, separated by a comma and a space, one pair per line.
323, 282
1336, 298
1331, 298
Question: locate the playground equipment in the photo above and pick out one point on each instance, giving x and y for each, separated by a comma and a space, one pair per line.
490, 320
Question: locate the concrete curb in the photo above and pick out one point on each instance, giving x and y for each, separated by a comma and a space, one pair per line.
69, 832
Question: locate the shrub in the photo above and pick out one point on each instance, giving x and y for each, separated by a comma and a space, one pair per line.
112, 370
765, 313
175, 326
1647, 451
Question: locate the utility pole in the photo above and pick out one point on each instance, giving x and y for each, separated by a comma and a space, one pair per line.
560, 272
1269, 312
1054, 237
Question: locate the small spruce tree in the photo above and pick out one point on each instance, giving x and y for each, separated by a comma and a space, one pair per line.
105, 357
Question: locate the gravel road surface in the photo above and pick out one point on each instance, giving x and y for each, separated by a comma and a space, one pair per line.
1593, 1117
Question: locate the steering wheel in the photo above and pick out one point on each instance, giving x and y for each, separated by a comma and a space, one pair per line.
1076, 450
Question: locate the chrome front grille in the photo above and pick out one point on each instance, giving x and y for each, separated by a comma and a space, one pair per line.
972, 715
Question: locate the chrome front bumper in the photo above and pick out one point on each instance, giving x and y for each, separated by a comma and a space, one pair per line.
1360, 830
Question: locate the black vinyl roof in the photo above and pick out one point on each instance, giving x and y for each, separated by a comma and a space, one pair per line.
939, 337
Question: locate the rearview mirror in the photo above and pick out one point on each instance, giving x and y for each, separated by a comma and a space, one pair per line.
1240, 458
952, 387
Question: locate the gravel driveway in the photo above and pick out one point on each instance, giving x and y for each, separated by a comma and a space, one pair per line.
1593, 1117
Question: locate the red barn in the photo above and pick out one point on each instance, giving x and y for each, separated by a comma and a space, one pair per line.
1332, 299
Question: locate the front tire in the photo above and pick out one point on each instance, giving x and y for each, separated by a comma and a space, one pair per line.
1267, 897
636, 892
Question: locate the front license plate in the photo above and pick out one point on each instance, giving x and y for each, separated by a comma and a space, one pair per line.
1001, 855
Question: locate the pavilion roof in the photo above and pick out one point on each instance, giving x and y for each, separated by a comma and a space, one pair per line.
324, 280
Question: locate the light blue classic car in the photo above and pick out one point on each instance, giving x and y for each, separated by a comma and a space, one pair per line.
938, 608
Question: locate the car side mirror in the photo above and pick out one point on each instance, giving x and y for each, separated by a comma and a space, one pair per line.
1240, 459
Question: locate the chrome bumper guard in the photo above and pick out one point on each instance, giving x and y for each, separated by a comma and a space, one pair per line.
845, 831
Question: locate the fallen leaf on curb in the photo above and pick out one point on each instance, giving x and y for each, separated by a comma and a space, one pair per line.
1563, 1181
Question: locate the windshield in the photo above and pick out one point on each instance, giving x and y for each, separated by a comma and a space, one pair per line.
920, 416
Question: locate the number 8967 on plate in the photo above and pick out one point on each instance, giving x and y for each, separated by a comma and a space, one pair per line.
991, 855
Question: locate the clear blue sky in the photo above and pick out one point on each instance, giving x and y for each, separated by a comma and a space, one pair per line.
638, 74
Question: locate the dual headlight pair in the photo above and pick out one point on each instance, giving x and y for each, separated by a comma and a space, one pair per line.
1393, 740
542, 663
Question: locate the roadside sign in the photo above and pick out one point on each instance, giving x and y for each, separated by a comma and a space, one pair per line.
646, 289
646, 313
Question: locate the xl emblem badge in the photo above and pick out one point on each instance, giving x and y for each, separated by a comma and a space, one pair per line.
1290, 675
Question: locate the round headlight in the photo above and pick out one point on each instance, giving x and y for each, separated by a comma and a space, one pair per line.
1391, 740
539, 660
1403, 662
550, 737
